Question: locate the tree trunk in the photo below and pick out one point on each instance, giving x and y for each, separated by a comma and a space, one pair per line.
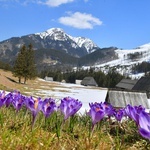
25, 79
19, 80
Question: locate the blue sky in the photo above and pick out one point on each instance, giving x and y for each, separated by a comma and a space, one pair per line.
121, 23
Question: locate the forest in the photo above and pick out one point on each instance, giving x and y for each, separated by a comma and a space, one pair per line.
103, 80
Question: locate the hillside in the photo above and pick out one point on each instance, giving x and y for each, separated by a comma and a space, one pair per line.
99, 56
7, 81
50, 58
125, 60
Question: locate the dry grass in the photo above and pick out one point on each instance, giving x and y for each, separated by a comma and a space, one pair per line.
9, 82
33, 87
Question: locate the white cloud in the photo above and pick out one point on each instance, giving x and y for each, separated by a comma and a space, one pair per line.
55, 3
80, 20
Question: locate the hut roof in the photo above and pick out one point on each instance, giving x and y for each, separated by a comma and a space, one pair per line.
143, 84
123, 98
89, 81
126, 84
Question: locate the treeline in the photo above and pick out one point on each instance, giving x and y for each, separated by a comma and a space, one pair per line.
103, 80
141, 67
134, 55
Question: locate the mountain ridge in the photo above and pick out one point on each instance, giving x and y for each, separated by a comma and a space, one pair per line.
54, 47
54, 38
59, 34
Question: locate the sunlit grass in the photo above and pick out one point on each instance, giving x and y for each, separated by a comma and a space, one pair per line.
54, 133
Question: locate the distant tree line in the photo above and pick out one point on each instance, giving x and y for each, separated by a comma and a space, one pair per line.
134, 55
103, 80
141, 67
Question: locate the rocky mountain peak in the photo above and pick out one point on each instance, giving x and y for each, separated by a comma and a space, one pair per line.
53, 33
58, 34
54, 38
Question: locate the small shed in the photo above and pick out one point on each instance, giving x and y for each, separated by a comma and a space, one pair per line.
89, 81
120, 99
78, 82
48, 78
127, 84
143, 84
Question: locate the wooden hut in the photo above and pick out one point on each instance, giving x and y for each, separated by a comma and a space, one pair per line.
126, 84
120, 99
143, 84
89, 81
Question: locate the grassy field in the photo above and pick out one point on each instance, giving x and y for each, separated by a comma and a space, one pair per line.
53, 133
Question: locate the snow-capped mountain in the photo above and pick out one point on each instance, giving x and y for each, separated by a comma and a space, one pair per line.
54, 46
54, 34
58, 34
126, 59
86, 43
54, 38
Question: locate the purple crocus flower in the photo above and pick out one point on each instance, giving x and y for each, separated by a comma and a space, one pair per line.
34, 105
8, 99
139, 109
108, 108
144, 124
69, 106
17, 100
99, 110
96, 112
133, 112
119, 114
2, 94
48, 107
2, 98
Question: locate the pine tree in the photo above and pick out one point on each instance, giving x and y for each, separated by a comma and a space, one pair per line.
30, 69
18, 69
24, 65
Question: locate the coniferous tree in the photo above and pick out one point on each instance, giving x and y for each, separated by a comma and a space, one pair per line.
30, 69
18, 69
24, 65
